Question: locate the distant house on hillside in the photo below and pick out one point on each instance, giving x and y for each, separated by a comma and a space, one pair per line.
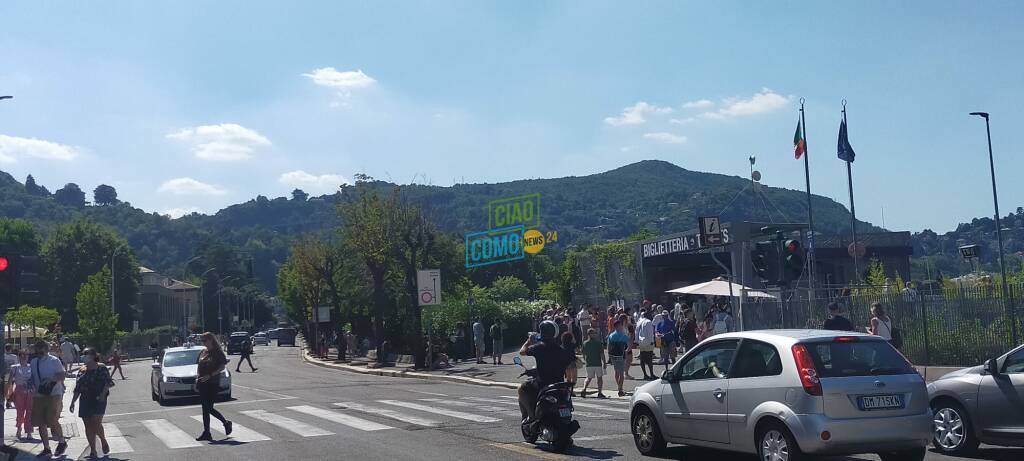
166, 301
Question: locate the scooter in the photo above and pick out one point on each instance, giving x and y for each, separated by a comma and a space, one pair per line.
553, 423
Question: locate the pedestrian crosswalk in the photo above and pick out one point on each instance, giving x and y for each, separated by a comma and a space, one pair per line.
174, 430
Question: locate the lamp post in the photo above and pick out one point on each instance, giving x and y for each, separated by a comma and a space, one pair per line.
999, 231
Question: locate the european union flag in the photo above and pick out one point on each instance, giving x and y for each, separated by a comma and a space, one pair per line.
845, 150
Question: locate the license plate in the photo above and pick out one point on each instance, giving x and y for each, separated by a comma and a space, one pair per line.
565, 412
880, 402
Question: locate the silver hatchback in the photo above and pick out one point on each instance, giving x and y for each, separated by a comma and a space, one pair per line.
785, 395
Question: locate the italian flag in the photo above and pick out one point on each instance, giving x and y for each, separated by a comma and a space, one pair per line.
799, 145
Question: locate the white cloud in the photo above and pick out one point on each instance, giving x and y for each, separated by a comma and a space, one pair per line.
175, 213
189, 186
765, 101
667, 138
332, 78
312, 183
699, 104
225, 142
636, 114
13, 147
682, 121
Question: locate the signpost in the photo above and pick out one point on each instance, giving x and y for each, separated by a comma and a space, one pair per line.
711, 230
428, 285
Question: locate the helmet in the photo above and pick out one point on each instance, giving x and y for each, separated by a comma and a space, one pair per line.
548, 330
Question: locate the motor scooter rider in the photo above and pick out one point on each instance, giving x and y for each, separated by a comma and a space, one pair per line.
552, 361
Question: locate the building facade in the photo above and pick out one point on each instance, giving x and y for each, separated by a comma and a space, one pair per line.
166, 301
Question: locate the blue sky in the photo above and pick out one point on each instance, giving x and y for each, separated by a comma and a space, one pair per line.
195, 105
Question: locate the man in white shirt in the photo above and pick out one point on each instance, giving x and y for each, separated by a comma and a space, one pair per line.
645, 340
67, 354
48, 373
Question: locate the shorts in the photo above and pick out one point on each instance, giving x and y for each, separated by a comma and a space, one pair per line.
647, 348
619, 363
595, 372
480, 345
46, 410
496, 347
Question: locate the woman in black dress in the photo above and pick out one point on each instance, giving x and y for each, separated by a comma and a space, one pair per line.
211, 364
91, 390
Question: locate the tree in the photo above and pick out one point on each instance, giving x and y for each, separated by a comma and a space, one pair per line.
19, 236
508, 288
33, 317
414, 245
32, 188
70, 195
299, 195
97, 322
75, 251
104, 195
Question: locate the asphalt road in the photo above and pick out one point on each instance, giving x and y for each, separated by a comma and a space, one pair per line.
292, 410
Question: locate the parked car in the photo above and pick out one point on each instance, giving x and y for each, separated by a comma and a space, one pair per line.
980, 404
260, 339
787, 395
174, 375
236, 340
286, 336
272, 333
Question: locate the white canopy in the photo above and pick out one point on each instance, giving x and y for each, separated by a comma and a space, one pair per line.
719, 287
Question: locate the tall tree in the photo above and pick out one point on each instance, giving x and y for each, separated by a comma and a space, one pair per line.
104, 195
70, 195
19, 236
76, 250
32, 188
97, 322
414, 245
299, 195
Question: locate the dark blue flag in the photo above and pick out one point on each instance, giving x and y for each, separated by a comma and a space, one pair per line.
845, 149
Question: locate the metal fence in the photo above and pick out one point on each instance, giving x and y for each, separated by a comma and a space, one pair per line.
954, 326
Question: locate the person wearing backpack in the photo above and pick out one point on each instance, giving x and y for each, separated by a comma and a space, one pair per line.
721, 321
881, 325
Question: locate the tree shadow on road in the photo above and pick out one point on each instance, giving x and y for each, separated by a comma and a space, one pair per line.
591, 453
992, 454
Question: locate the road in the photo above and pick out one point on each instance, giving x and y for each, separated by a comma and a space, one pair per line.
292, 410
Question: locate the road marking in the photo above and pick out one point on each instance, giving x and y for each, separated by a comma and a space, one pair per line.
117, 442
275, 394
529, 450
477, 406
441, 411
576, 403
192, 407
585, 414
340, 418
238, 432
169, 434
387, 413
426, 393
286, 423
601, 437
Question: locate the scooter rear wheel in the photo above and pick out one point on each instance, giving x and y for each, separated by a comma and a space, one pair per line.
528, 435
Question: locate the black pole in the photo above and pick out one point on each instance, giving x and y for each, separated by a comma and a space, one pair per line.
810, 214
853, 209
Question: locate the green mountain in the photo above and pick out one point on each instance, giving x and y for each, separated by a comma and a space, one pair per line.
650, 194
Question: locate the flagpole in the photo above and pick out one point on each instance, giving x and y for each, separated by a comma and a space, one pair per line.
853, 210
810, 214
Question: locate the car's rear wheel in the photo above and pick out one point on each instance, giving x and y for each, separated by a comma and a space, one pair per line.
916, 454
776, 443
646, 433
159, 395
953, 433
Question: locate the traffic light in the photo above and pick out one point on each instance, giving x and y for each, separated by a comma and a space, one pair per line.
793, 262
8, 280
29, 268
765, 259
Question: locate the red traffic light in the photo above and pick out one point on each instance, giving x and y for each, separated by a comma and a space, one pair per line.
3, 264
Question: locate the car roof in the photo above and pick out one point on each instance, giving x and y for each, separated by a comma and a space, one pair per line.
792, 336
240, 333
184, 348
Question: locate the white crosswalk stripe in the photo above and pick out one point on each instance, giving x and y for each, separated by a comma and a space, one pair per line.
340, 418
441, 411
238, 432
487, 408
116, 440
388, 413
297, 427
169, 434
577, 403
585, 414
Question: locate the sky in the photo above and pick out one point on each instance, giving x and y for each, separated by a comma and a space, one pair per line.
192, 105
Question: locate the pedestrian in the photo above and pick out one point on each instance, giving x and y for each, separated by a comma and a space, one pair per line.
245, 354
571, 371
583, 320
666, 330
909, 293
68, 354
610, 322
211, 365
154, 350
722, 321
21, 376
835, 321
48, 379
478, 340
688, 330
645, 341
618, 346
10, 360
594, 359
497, 345
92, 387
881, 326
115, 361
633, 345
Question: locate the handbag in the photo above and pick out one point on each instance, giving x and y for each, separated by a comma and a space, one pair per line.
43, 389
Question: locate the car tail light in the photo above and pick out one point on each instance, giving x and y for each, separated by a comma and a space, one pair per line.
805, 368
845, 339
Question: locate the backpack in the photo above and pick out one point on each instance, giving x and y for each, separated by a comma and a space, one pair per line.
897, 337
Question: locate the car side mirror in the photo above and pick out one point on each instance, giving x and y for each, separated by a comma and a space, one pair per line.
992, 367
667, 375
156, 365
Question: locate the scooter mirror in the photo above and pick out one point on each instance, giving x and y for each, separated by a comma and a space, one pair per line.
518, 361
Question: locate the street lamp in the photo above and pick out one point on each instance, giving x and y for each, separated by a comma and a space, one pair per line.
999, 229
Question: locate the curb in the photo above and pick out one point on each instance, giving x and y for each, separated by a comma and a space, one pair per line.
408, 374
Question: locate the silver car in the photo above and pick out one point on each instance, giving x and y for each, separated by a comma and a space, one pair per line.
980, 404
786, 395
174, 375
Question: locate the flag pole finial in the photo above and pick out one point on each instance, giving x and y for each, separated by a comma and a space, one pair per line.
844, 103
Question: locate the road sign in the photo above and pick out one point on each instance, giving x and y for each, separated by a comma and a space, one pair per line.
323, 314
428, 285
711, 230
969, 251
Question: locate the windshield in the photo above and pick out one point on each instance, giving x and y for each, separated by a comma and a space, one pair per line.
179, 358
862, 358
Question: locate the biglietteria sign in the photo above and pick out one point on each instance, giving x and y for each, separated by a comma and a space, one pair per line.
678, 244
